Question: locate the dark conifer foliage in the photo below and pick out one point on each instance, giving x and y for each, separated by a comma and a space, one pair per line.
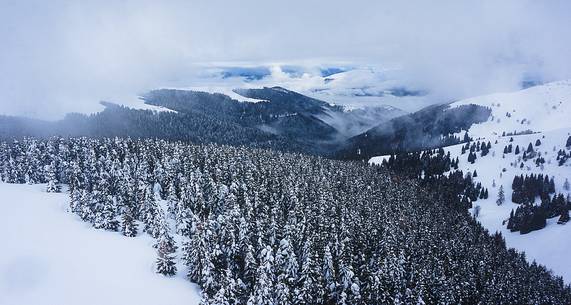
263, 227
527, 189
529, 217
562, 157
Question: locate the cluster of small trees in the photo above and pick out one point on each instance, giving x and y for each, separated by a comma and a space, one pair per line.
563, 156
421, 163
475, 147
433, 164
528, 216
526, 189
261, 227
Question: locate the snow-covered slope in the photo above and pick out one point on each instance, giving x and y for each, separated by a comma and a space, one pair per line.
545, 110
226, 91
540, 108
551, 245
49, 256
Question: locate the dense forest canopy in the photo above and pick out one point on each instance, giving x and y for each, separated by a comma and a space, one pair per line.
264, 227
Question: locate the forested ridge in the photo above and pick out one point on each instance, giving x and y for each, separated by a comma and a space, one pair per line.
264, 227
283, 120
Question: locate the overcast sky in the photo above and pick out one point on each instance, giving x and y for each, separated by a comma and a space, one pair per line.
60, 56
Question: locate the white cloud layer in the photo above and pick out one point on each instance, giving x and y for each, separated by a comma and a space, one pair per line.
60, 56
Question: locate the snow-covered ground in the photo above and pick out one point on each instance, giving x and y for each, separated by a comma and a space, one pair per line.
49, 256
547, 111
227, 91
137, 102
540, 108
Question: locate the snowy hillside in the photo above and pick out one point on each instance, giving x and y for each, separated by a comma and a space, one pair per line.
550, 246
546, 111
540, 108
50, 256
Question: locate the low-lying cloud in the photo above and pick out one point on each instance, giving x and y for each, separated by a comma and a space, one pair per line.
60, 56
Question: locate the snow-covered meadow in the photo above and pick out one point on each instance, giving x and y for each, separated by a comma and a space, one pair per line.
50, 256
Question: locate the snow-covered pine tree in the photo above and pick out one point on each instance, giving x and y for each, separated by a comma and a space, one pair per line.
172, 198
227, 294
286, 269
151, 212
86, 207
329, 279
128, 224
263, 292
501, 196
249, 268
51, 175
165, 261
309, 289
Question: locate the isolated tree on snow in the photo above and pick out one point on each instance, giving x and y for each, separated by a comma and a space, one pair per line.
501, 196
476, 211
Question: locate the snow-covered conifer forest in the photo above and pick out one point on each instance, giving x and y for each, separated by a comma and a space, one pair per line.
221, 152
254, 226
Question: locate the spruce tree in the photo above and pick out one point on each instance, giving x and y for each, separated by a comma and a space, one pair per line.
51, 175
263, 291
128, 225
165, 261
329, 278
501, 196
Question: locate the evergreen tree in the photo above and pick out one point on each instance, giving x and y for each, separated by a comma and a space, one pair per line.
51, 175
286, 268
128, 225
165, 261
501, 196
329, 279
263, 292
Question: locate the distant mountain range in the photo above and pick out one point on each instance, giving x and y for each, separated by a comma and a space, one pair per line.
279, 118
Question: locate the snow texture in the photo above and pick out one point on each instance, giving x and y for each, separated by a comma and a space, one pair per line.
50, 256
